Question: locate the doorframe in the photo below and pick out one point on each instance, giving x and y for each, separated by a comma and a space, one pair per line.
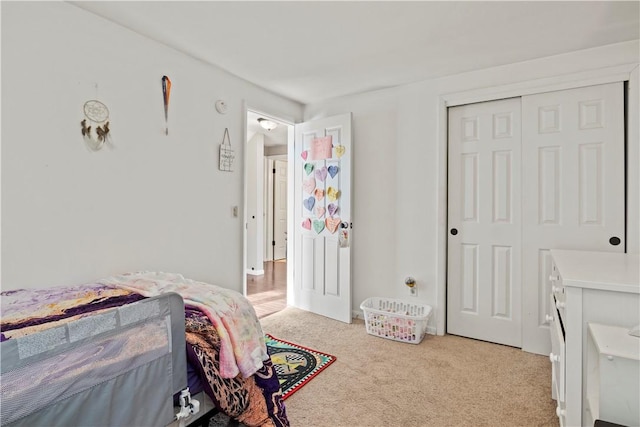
290, 122
625, 72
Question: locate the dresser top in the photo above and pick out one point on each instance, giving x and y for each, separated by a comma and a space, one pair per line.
615, 341
612, 271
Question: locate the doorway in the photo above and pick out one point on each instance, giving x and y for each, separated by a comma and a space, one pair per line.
266, 195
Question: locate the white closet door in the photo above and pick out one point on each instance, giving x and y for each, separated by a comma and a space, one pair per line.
573, 182
484, 272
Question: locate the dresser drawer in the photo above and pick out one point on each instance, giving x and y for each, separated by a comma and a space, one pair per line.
557, 356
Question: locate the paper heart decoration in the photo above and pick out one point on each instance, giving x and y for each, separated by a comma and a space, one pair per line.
321, 173
320, 211
333, 194
306, 224
340, 150
304, 155
308, 203
319, 194
308, 185
332, 208
332, 224
308, 168
333, 171
318, 226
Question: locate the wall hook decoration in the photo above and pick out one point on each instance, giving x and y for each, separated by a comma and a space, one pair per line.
226, 153
166, 93
96, 122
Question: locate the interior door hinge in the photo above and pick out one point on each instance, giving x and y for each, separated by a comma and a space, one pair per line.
274, 171
273, 243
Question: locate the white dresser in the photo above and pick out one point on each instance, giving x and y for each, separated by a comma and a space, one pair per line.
596, 287
613, 376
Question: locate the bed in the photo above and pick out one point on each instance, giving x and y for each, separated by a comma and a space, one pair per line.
133, 350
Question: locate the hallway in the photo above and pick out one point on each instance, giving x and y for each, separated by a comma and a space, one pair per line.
268, 292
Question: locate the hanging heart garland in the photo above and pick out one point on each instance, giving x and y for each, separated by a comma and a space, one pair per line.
320, 211
332, 209
319, 194
332, 224
321, 174
306, 224
318, 226
304, 155
340, 149
308, 168
333, 194
309, 203
333, 170
308, 185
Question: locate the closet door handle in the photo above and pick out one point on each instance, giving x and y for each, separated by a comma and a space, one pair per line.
615, 241
454, 231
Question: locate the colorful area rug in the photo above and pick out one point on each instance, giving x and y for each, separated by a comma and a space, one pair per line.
295, 365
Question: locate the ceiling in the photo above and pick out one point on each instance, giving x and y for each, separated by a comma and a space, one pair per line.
311, 51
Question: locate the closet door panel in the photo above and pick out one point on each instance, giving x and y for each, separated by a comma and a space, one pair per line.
484, 209
573, 176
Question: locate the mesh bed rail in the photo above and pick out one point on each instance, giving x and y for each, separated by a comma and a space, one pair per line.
98, 370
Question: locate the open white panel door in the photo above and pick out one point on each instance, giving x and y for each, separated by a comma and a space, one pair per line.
322, 224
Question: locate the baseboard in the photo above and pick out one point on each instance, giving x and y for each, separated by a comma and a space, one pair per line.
255, 272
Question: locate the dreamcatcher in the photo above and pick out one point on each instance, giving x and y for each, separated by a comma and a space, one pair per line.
96, 122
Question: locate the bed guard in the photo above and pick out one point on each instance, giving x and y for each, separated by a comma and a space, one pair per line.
118, 367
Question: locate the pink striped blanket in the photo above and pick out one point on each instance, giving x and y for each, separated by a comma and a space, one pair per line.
242, 346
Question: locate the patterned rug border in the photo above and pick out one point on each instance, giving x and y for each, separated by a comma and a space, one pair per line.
307, 378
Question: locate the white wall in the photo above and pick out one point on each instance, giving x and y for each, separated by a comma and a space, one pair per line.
153, 202
159, 203
399, 211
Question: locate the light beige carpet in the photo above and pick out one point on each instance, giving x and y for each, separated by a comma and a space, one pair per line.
443, 381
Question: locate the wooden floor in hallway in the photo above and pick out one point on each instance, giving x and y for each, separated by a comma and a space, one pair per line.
268, 292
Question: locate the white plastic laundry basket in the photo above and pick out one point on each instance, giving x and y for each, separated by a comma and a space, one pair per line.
396, 319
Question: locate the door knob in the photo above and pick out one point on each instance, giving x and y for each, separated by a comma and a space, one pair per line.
615, 241
454, 231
